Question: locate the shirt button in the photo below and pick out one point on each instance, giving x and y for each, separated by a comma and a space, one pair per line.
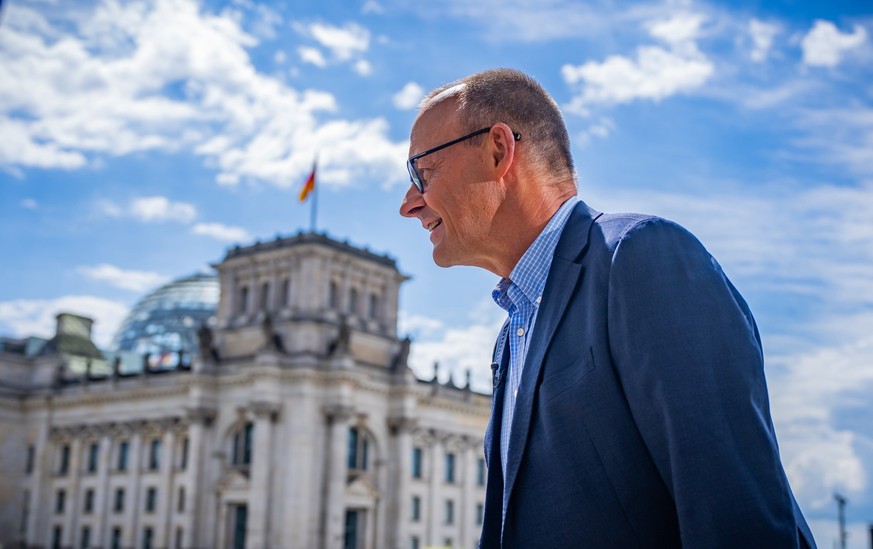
520, 332
515, 394
539, 299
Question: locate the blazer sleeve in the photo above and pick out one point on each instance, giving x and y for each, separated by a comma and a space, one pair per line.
687, 352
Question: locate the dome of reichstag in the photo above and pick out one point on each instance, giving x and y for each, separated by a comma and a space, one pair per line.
166, 321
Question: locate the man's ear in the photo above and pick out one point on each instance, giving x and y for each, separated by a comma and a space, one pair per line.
502, 144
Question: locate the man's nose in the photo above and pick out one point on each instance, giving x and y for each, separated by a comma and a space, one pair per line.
412, 202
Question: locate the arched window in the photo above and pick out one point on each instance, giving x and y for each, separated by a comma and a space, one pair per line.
243, 300
241, 449
353, 301
265, 296
374, 306
359, 450
286, 292
333, 297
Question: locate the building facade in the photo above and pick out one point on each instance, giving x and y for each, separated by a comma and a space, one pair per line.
298, 424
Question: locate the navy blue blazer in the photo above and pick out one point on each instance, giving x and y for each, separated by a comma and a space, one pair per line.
642, 417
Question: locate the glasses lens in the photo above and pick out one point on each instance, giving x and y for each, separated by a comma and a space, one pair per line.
413, 176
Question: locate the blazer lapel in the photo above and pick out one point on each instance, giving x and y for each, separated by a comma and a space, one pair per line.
564, 275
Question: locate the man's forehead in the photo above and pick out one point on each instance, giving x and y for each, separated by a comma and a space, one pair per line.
439, 119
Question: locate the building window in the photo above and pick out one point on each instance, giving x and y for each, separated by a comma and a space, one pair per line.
450, 468
416, 462
353, 301
358, 450
480, 514
415, 514
123, 448
93, 457
448, 542
57, 532
180, 504
241, 453
333, 296
60, 501
89, 501
64, 463
28, 466
85, 538
155, 454
183, 458
25, 514
116, 538
147, 536
151, 500
265, 296
243, 300
414, 543
286, 292
374, 306
480, 472
179, 536
118, 502
450, 512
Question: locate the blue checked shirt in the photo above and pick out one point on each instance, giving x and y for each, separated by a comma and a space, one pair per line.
520, 295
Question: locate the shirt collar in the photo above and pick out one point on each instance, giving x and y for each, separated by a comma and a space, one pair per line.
528, 279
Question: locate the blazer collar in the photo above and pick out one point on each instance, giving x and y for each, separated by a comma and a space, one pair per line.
564, 275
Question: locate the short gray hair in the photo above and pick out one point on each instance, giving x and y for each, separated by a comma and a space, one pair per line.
516, 99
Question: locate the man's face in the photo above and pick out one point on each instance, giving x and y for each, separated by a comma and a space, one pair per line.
459, 201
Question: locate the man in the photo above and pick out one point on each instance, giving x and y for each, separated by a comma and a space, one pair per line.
630, 407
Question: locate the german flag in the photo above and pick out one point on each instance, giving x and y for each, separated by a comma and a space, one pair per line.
309, 186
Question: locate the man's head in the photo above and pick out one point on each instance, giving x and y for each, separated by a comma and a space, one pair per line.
473, 189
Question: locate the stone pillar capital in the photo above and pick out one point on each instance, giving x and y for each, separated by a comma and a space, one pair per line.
265, 409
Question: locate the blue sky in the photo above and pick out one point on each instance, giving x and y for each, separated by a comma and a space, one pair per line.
138, 140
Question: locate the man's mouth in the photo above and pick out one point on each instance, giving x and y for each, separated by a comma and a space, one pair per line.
434, 225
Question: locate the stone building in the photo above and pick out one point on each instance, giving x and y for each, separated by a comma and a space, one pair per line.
298, 424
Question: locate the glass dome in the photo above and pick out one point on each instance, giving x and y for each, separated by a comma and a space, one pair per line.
166, 320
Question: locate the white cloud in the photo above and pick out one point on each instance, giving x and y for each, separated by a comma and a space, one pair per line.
458, 348
344, 42
77, 85
600, 130
29, 203
825, 45
762, 35
137, 281
654, 73
279, 57
219, 231
371, 6
160, 208
25, 317
408, 97
312, 56
363, 67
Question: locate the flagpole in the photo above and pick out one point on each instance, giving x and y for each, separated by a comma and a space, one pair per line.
314, 211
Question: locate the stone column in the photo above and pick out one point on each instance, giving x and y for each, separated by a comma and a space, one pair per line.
468, 494
37, 525
163, 536
198, 419
258, 528
102, 496
131, 488
401, 471
332, 515
71, 505
434, 470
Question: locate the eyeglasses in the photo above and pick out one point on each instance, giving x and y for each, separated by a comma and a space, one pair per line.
410, 163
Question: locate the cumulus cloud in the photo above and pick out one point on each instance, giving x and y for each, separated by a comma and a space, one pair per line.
408, 97
161, 208
136, 281
825, 45
29, 203
654, 73
219, 231
313, 56
25, 317
363, 67
762, 35
120, 78
343, 42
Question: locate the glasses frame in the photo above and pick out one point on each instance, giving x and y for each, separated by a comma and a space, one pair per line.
415, 178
